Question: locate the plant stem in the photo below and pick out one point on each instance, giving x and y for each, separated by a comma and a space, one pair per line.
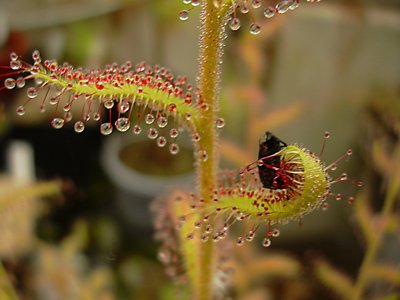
211, 33
373, 247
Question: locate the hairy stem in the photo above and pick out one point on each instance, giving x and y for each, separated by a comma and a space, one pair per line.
211, 34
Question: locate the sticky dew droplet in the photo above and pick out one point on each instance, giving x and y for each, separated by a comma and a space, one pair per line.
9, 83
57, 123
220, 123
234, 24
203, 156
15, 64
266, 243
284, 6
196, 137
13, 56
122, 124
174, 148
79, 127
20, 82
183, 15
149, 119
32, 93
96, 117
161, 141
106, 128
269, 12
68, 116
153, 133
124, 107
244, 9
20, 110
255, 29
162, 122
256, 3
137, 129
173, 133
108, 103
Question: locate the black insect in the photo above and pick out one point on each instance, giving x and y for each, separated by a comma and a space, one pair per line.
268, 169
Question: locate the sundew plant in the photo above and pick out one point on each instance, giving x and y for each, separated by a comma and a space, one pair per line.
285, 182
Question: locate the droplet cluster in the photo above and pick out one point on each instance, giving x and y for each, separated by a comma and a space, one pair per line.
269, 9
140, 99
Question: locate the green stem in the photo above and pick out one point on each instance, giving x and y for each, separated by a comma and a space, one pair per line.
209, 74
373, 247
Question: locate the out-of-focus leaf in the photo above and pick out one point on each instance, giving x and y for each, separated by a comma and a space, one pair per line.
335, 280
363, 216
6, 289
271, 266
278, 117
384, 272
233, 153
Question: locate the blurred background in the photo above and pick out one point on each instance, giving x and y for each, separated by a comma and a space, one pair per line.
75, 220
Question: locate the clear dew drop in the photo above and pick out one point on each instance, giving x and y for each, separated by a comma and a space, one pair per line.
284, 6
296, 4
38, 80
42, 108
20, 82
220, 123
15, 64
195, 2
54, 101
343, 176
255, 29
266, 242
162, 122
203, 156
269, 12
256, 3
57, 123
13, 56
183, 15
244, 9
153, 133
161, 141
333, 167
32, 93
239, 241
275, 232
9, 83
79, 126
149, 119
234, 24
108, 104
137, 129
173, 133
87, 117
68, 116
96, 117
106, 128
174, 148
20, 110
187, 1
196, 137
124, 107
188, 116
122, 124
